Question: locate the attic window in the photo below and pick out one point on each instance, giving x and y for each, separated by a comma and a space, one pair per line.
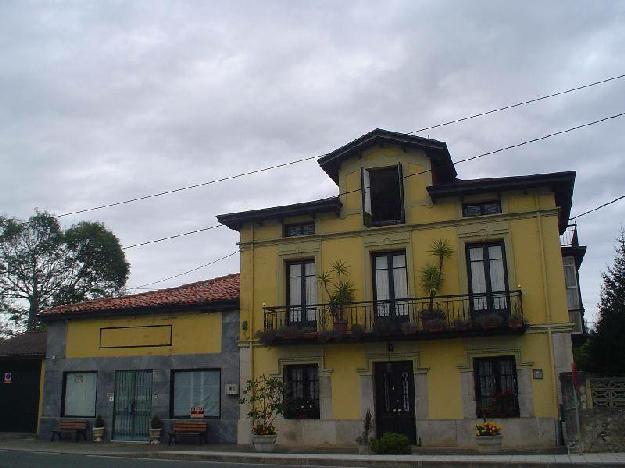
481, 209
299, 229
383, 196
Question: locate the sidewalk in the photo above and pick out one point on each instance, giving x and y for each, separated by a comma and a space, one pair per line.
242, 454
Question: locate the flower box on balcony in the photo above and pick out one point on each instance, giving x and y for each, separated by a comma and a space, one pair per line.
434, 320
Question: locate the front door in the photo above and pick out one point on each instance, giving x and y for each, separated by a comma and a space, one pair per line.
133, 405
394, 399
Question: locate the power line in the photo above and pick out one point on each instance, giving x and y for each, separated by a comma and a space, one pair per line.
187, 187
154, 241
460, 161
310, 158
509, 147
520, 103
144, 286
597, 207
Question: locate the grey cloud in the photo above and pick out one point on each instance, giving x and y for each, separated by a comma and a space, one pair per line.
102, 101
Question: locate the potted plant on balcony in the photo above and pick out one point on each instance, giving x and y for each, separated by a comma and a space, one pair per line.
265, 397
340, 291
432, 278
363, 439
488, 437
98, 429
156, 426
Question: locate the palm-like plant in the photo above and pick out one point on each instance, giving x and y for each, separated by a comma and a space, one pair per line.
432, 275
338, 287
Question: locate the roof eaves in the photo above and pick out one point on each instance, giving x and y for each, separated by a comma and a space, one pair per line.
236, 220
562, 184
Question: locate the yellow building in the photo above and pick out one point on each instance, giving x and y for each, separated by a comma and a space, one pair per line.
489, 340
158, 353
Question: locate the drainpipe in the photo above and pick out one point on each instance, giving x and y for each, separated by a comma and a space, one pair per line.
546, 301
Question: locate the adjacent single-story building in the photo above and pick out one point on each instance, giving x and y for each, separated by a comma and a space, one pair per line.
156, 353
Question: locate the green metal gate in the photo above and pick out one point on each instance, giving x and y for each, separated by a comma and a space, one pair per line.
133, 405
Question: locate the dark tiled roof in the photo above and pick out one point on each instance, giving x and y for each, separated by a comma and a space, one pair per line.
235, 220
29, 344
443, 167
560, 182
217, 292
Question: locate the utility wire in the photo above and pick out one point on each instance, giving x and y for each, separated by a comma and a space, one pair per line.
154, 241
310, 158
520, 103
509, 147
460, 161
187, 187
597, 207
144, 286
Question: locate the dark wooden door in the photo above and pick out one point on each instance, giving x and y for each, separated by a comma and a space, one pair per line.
394, 399
19, 395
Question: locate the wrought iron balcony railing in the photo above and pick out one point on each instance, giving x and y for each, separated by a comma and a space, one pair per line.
409, 318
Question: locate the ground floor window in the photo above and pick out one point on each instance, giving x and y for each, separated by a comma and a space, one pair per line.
496, 393
302, 391
79, 397
195, 388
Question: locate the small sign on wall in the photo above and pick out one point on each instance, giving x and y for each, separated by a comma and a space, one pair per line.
8, 377
537, 374
197, 412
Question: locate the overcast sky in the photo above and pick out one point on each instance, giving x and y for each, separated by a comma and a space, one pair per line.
103, 101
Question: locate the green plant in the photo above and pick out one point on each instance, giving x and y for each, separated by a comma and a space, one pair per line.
367, 424
99, 422
265, 397
391, 443
156, 422
432, 275
267, 337
338, 287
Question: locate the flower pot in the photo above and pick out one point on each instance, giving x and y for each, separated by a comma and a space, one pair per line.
489, 444
155, 436
98, 434
264, 443
340, 326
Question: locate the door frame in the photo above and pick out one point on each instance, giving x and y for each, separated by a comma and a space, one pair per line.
377, 367
135, 371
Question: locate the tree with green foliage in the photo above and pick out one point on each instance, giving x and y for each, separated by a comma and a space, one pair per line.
42, 265
606, 352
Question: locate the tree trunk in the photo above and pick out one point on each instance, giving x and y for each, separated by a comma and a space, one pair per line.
33, 310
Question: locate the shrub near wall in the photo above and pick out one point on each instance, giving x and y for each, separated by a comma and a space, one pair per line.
391, 443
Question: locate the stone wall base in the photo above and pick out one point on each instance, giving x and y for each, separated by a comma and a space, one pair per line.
452, 433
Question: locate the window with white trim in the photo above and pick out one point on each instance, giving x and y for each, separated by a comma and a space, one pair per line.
79, 394
570, 279
196, 388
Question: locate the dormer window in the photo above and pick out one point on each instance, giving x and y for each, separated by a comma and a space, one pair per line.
383, 195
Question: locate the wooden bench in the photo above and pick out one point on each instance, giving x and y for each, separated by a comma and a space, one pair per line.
69, 426
198, 428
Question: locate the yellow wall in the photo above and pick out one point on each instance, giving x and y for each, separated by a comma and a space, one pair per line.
144, 335
528, 225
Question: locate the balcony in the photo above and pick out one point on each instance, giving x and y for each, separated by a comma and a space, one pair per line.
423, 318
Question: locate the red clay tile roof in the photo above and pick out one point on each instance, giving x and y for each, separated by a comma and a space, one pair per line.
203, 293
27, 344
